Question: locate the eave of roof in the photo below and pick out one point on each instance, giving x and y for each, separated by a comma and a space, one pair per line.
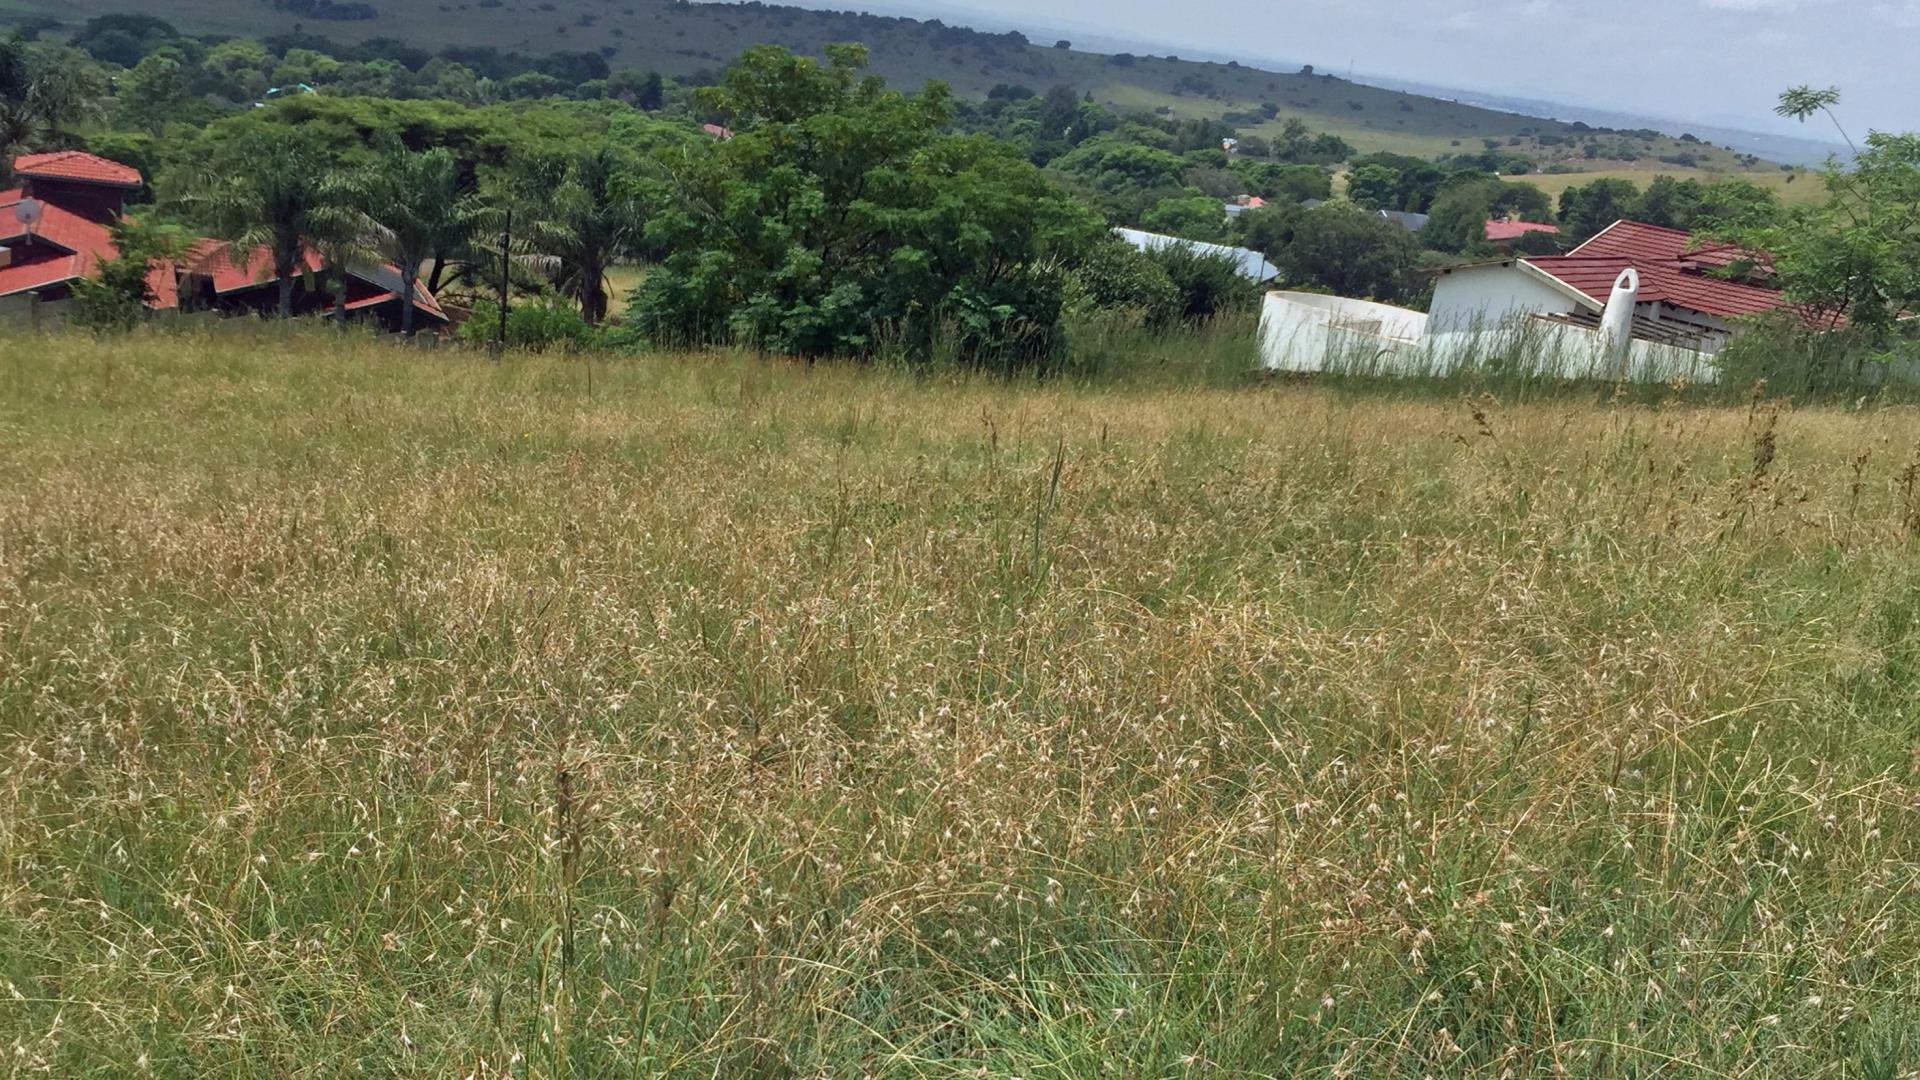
78, 166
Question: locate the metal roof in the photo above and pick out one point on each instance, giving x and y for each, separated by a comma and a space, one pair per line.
1252, 264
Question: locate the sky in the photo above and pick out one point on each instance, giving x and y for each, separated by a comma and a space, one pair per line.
1712, 61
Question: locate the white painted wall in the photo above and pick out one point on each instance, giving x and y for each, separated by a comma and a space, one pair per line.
1486, 296
1551, 350
1307, 332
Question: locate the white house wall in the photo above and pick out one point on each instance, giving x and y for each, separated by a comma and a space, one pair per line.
1485, 296
1307, 334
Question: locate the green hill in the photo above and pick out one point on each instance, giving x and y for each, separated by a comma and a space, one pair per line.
687, 40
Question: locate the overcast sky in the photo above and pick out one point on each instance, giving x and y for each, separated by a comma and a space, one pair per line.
1713, 61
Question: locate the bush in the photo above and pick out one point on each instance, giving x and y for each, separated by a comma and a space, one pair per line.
540, 325
118, 295
1207, 283
1117, 278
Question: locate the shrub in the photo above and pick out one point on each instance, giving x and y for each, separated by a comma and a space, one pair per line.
1208, 283
541, 325
1117, 277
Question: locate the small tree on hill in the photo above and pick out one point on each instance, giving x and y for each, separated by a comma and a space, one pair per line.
1854, 257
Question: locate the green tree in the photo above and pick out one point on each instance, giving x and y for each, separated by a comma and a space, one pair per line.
1670, 202
418, 209
592, 221
840, 220
18, 124
1349, 252
1586, 211
1374, 187
1457, 223
1196, 218
1272, 180
121, 292
1856, 255
1269, 229
279, 193
1801, 102
237, 69
152, 94
45, 90
1207, 283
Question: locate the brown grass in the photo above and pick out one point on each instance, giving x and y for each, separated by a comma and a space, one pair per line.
363, 711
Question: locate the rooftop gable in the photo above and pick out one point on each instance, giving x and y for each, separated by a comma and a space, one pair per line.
79, 167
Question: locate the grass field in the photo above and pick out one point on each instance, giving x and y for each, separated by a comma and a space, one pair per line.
365, 712
1797, 187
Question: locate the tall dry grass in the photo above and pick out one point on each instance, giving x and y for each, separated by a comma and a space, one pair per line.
370, 713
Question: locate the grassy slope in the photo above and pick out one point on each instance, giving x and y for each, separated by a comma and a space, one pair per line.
414, 715
1799, 186
682, 39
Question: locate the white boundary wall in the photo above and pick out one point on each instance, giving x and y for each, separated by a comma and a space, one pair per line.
1307, 333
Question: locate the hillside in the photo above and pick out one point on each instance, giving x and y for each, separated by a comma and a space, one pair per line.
686, 40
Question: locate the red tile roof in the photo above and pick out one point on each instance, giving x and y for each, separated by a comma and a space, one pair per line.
1673, 270
214, 259
38, 274
85, 243
67, 246
78, 166
1593, 277
57, 225
1500, 231
1652, 243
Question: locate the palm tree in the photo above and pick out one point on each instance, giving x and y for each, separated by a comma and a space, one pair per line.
418, 210
278, 193
592, 220
43, 89
67, 88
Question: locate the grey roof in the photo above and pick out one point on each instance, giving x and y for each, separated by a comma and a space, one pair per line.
1252, 264
1410, 222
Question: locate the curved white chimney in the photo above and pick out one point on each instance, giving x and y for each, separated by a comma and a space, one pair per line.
1616, 322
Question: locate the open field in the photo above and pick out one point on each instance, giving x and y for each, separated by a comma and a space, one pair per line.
1799, 186
365, 712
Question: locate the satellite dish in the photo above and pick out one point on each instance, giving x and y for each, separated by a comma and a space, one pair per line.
28, 212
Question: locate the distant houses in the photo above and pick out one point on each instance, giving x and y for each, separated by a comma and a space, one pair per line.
1405, 219
1242, 204
1504, 235
1637, 301
55, 230
1687, 296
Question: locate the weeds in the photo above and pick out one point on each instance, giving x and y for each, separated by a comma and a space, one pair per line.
404, 714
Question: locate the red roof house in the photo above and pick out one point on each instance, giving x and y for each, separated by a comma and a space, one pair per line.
80, 196
1690, 293
1504, 233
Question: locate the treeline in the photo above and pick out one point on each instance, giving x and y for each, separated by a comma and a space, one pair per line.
240, 71
820, 213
